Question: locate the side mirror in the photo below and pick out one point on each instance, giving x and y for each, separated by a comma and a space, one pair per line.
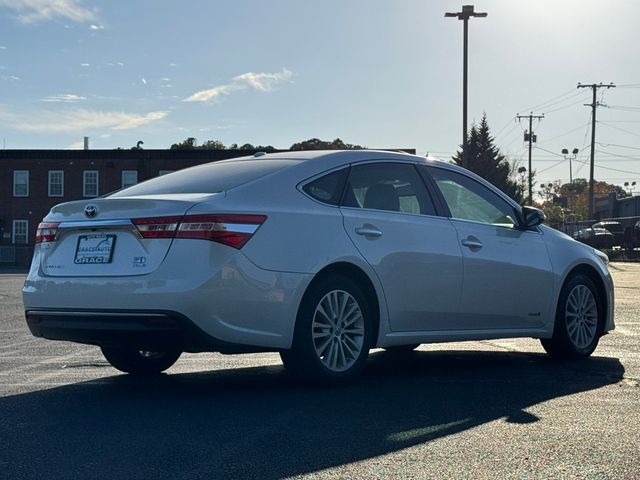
532, 217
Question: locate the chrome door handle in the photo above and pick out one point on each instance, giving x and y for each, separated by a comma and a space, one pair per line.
368, 231
472, 243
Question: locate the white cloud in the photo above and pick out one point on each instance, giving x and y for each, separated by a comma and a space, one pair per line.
64, 97
85, 64
30, 11
9, 78
263, 82
93, 26
143, 80
2, 47
78, 120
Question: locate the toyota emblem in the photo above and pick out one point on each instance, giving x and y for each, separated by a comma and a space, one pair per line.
91, 210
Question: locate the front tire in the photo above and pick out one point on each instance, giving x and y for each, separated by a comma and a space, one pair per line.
579, 320
140, 362
334, 332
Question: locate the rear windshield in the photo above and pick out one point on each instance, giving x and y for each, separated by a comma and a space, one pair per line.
209, 178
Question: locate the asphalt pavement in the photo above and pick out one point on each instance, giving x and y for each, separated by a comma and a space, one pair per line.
490, 409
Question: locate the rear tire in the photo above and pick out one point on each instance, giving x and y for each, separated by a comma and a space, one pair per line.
140, 362
333, 334
579, 320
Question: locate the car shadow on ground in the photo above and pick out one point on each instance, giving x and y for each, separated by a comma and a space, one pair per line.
258, 423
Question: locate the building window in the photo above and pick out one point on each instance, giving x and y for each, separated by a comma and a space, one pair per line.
21, 183
90, 183
129, 178
164, 172
20, 234
56, 183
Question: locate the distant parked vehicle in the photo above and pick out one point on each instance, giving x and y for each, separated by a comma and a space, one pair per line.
616, 228
595, 237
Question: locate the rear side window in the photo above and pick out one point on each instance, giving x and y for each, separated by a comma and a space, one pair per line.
328, 188
209, 178
395, 187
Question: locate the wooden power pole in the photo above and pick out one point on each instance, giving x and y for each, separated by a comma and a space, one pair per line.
531, 138
594, 104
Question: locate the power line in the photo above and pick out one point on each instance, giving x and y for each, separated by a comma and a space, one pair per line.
569, 105
567, 133
537, 107
621, 129
617, 145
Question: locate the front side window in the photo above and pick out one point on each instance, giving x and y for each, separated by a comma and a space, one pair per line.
470, 200
129, 178
90, 183
20, 232
164, 172
21, 183
395, 187
56, 183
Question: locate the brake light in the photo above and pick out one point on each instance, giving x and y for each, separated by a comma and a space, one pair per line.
46, 232
233, 230
157, 227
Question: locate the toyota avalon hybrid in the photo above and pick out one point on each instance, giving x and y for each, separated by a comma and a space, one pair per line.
320, 256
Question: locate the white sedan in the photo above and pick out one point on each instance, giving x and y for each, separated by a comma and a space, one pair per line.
320, 256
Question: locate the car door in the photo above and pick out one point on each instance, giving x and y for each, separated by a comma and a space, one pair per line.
391, 219
508, 281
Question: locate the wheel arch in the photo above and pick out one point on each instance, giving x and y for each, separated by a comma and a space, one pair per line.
592, 273
359, 276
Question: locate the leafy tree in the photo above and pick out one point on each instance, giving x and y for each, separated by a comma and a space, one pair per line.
186, 144
484, 159
575, 196
212, 145
317, 144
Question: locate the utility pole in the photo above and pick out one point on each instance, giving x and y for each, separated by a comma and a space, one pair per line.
594, 104
466, 13
531, 138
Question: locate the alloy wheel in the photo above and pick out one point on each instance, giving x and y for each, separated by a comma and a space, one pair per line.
581, 315
338, 330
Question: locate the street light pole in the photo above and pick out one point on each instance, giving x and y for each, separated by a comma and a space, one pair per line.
466, 13
565, 152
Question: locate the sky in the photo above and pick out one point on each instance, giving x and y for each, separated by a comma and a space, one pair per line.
379, 73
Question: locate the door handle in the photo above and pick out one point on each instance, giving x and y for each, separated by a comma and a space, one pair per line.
472, 243
369, 231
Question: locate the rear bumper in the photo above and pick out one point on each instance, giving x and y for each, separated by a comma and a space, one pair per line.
146, 330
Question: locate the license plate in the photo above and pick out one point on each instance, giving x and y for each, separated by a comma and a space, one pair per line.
94, 249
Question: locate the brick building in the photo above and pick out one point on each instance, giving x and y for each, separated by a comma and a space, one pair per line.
33, 181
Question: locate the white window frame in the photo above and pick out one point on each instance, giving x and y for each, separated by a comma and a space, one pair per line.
50, 183
16, 173
26, 231
129, 172
85, 183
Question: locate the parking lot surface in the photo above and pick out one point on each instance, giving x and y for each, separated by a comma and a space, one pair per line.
489, 409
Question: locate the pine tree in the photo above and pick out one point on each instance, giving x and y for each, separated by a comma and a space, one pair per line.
484, 159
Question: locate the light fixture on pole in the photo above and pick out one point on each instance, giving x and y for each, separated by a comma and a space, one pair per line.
565, 152
466, 13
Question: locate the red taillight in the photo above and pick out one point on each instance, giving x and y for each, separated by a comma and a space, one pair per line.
46, 232
157, 227
233, 230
